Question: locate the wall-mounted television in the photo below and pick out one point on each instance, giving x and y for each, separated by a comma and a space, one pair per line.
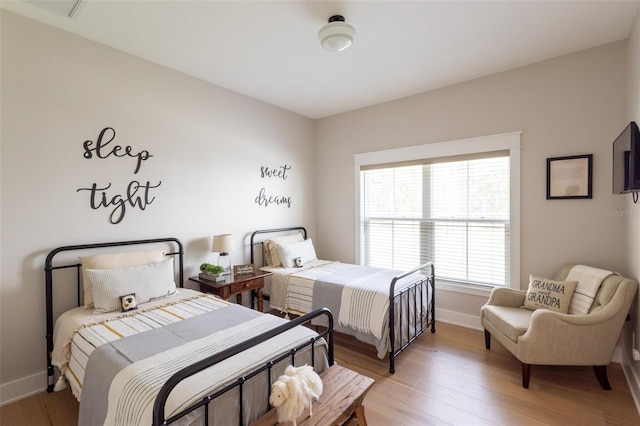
626, 160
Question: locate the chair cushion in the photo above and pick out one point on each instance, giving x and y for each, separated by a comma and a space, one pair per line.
512, 322
544, 293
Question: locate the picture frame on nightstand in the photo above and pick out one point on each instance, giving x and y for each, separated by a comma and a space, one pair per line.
246, 269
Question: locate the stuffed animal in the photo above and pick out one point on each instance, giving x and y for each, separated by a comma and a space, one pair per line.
294, 391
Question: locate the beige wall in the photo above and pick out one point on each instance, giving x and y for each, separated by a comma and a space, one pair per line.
571, 105
208, 145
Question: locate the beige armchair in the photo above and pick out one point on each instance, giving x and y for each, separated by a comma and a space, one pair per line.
545, 337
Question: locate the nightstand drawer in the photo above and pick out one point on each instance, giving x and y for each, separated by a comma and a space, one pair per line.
246, 285
235, 286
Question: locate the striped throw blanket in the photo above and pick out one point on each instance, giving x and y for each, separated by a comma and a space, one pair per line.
365, 303
127, 359
300, 287
361, 294
134, 389
589, 281
90, 336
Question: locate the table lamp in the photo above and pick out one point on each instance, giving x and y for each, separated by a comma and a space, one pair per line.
223, 244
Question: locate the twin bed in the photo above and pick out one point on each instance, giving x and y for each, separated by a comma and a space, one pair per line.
181, 356
140, 348
386, 308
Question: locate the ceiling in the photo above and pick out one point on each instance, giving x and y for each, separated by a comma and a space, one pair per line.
269, 50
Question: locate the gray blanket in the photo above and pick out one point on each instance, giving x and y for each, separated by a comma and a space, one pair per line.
107, 360
327, 291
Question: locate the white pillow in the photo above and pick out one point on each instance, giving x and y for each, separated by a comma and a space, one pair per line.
303, 250
114, 261
148, 282
273, 258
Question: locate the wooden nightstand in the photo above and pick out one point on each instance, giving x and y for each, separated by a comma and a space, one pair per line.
235, 285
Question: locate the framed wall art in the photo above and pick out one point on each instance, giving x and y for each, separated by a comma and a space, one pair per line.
569, 177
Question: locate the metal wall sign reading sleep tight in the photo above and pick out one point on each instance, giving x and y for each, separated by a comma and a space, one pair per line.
137, 194
262, 199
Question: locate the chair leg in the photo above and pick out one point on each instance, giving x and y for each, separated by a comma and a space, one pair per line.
487, 339
601, 375
526, 373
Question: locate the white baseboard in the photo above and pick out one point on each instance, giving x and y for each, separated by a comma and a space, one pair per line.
456, 318
632, 379
23, 388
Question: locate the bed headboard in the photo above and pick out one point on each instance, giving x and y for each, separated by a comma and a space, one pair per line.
176, 249
259, 236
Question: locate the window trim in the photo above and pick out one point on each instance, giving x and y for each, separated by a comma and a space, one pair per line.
504, 141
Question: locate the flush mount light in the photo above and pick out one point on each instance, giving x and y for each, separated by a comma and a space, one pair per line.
337, 35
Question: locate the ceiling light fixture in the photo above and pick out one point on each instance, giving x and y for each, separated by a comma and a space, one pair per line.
337, 35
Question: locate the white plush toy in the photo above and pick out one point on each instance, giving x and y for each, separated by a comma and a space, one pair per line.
294, 391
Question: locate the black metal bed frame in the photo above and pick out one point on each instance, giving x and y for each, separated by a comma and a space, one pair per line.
416, 292
159, 404
404, 296
49, 268
161, 399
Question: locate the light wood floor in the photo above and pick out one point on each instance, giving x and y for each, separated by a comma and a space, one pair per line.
446, 378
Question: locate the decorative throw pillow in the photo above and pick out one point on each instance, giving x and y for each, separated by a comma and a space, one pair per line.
297, 254
114, 261
128, 302
272, 245
148, 282
266, 253
544, 293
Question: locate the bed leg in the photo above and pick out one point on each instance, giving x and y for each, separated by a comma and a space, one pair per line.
50, 379
50, 370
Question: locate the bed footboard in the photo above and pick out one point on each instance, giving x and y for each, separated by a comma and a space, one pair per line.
416, 310
159, 404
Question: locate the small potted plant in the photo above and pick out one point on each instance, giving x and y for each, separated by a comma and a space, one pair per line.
207, 270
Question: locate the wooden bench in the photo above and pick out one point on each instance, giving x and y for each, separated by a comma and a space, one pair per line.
340, 402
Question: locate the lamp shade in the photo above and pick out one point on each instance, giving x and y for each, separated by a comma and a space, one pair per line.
222, 243
337, 35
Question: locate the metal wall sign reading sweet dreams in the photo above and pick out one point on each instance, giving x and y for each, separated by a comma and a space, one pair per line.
136, 195
263, 199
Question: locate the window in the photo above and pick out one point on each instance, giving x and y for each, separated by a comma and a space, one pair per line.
443, 203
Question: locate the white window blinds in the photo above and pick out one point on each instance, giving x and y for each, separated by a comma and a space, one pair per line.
453, 211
